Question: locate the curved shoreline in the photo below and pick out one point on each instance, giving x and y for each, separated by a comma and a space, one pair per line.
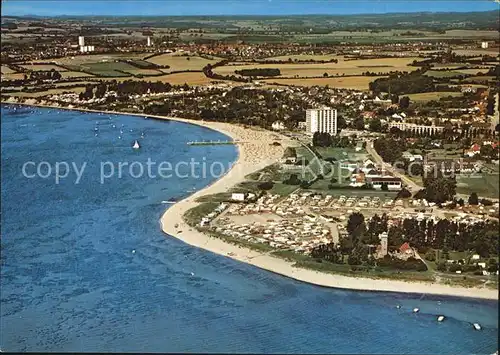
244, 165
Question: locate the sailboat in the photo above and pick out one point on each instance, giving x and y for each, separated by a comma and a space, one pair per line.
136, 145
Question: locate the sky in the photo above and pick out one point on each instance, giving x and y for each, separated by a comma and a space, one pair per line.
236, 7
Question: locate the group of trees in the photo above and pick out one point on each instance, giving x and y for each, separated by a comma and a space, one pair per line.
390, 149
411, 83
445, 234
359, 244
438, 188
321, 139
209, 73
44, 75
258, 72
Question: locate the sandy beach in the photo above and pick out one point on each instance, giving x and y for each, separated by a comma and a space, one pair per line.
255, 152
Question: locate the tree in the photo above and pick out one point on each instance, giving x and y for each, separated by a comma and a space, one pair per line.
356, 226
473, 199
376, 125
441, 266
403, 193
359, 123
487, 151
321, 139
325, 75
404, 102
430, 255
438, 188
266, 185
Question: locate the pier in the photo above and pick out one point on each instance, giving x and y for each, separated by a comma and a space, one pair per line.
212, 142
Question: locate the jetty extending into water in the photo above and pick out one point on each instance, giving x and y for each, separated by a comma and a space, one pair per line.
212, 142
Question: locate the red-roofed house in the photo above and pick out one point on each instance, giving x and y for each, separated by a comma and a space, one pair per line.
405, 249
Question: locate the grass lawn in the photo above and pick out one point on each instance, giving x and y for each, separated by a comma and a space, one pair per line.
486, 185
342, 153
194, 215
436, 95
283, 189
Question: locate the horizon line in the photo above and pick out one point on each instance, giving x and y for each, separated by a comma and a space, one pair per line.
260, 15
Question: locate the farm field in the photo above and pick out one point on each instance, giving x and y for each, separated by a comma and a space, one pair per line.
144, 72
350, 82
442, 73
14, 76
107, 68
6, 70
472, 71
42, 67
434, 95
306, 57
477, 52
178, 62
194, 79
352, 67
74, 74
481, 79
96, 58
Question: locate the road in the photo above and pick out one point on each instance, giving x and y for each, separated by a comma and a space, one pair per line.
411, 185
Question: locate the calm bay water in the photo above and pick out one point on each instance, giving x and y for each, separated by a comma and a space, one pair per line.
70, 280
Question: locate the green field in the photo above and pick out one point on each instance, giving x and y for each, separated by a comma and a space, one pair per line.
434, 95
485, 185
442, 73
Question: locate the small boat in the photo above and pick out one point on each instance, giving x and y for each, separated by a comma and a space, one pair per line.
416, 310
133, 251
164, 202
476, 326
136, 145
398, 306
192, 274
440, 318
119, 137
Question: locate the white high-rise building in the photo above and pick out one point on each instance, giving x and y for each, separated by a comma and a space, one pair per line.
484, 45
149, 41
323, 120
81, 41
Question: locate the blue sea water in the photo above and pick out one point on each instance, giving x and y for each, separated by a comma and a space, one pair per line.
70, 281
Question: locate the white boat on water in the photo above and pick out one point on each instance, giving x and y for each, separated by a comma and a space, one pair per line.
440, 318
416, 310
476, 326
136, 145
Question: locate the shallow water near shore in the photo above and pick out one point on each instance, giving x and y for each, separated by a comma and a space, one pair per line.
70, 280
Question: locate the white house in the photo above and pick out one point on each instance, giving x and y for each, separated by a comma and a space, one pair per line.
238, 196
392, 183
278, 126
